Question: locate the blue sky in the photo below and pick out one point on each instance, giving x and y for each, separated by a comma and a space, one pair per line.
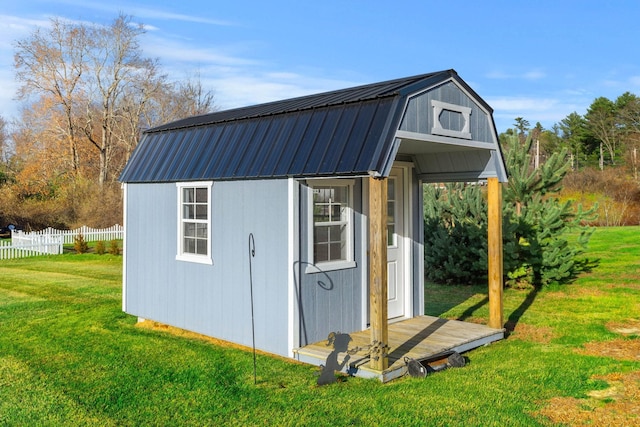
540, 60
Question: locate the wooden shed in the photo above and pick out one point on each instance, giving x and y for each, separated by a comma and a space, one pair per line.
308, 212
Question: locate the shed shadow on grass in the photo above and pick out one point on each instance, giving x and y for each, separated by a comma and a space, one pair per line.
440, 299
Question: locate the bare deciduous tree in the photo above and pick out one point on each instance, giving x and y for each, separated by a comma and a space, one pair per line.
51, 64
89, 92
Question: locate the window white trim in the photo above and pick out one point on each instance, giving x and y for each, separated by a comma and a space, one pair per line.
349, 262
181, 255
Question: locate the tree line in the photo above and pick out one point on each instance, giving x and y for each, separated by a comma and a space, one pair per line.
607, 135
87, 92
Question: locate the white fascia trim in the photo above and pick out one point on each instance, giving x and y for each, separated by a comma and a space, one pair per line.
124, 246
293, 257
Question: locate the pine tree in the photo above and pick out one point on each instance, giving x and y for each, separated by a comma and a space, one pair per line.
535, 225
455, 232
536, 221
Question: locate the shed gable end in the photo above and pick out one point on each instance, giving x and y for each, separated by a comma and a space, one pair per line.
447, 111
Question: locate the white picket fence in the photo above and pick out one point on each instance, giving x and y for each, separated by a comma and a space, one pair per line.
50, 240
25, 247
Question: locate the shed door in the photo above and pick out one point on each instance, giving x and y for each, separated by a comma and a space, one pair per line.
395, 237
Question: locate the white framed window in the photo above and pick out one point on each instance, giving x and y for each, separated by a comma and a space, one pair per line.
194, 222
331, 224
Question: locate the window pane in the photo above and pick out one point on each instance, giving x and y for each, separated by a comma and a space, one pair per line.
201, 211
188, 195
201, 195
187, 212
391, 189
190, 245
321, 252
321, 234
335, 212
320, 195
335, 233
201, 247
340, 194
201, 231
189, 229
321, 213
391, 235
336, 252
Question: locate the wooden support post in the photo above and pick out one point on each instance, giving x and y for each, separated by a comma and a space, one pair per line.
496, 314
378, 272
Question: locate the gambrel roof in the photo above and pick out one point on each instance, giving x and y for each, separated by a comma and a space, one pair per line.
436, 119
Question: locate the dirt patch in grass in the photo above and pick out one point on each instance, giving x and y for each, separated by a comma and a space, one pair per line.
617, 405
621, 349
538, 334
630, 327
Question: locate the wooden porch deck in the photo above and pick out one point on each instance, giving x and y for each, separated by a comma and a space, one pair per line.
419, 338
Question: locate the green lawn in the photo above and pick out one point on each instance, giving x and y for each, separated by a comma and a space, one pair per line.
69, 356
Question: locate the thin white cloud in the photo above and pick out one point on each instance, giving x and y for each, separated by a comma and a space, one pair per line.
116, 7
14, 28
168, 16
242, 88
522, 103
535, 74
547, 111
186, 54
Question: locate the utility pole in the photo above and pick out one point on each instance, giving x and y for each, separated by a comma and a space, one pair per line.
601, 158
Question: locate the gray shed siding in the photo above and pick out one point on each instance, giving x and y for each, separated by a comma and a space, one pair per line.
330, 301
212, 299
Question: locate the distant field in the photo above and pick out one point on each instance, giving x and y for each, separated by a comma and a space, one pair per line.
69, 356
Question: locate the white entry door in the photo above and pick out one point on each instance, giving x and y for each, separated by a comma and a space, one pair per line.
396, 243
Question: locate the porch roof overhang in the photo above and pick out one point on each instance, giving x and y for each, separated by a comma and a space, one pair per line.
439, 159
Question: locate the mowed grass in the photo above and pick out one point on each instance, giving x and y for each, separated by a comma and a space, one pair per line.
69, 356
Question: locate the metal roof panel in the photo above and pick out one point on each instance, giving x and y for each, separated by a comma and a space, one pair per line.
343, 132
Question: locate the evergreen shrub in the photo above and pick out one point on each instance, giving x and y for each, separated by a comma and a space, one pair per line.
114, 249
79, 244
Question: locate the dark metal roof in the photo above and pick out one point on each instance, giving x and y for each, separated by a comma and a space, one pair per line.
344, 132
